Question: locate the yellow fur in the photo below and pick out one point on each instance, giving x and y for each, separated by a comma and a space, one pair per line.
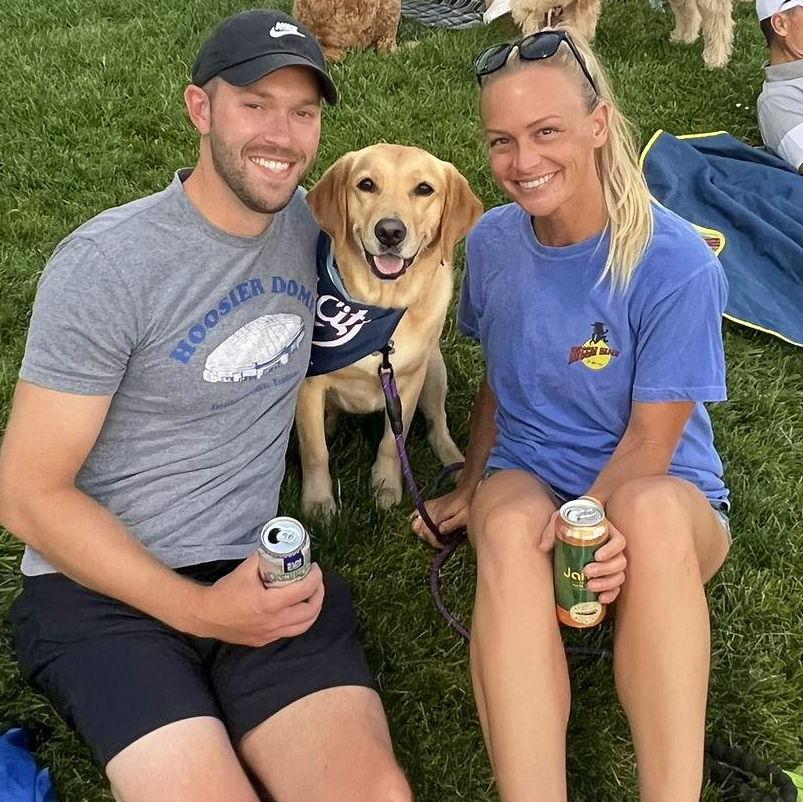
714, 17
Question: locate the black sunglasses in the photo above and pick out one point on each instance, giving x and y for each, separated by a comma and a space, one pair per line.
535, 47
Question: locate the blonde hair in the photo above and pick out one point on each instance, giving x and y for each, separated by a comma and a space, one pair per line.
627, 199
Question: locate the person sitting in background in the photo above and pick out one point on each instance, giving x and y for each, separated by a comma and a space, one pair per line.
780, 104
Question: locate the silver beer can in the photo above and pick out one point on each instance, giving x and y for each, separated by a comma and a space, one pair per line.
284, 552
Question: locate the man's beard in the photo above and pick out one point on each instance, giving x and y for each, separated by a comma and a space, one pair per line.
230, 168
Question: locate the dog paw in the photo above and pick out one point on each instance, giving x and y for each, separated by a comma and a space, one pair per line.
318, 507
683, 36
386, 497
334, 53
387, 492
716, 60
386, 46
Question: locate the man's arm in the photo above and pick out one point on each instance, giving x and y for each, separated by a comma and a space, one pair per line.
647, 446
48, 438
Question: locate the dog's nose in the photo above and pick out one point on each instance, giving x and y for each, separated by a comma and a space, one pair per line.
390, 231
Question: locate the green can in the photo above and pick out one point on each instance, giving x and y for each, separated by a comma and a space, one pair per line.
580, 530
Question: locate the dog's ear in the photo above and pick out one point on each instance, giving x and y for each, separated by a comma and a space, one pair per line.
328, 199
461, 209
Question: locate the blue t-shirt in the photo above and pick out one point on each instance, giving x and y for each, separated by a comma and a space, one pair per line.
566, 357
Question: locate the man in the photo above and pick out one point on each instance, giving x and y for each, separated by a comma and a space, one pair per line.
780, 104
145, 449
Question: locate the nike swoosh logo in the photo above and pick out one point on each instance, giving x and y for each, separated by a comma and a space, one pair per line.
277, 34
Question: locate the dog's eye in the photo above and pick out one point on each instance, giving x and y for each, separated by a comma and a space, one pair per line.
424, 189
366, 185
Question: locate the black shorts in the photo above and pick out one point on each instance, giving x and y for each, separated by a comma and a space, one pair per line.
115, 674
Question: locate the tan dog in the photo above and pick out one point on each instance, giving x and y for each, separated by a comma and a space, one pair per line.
713, 17
341, 25
395, 214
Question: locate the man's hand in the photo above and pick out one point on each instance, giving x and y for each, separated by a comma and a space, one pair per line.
606, 574
238, 608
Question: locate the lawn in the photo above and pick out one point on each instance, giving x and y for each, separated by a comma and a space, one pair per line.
92, 117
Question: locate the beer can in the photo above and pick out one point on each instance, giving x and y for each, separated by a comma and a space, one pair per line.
284, 552
580, 530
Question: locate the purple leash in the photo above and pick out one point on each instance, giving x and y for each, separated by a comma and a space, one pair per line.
452, 541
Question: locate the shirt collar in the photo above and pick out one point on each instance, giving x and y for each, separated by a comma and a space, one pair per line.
788, 71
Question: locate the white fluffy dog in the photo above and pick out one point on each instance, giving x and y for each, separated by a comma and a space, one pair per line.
713, 17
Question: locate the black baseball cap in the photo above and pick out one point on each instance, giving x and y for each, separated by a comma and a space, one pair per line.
252, 44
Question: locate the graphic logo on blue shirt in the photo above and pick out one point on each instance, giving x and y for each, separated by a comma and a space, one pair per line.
596, 352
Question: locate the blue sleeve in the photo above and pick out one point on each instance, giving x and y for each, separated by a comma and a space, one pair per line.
679, 356
468, 310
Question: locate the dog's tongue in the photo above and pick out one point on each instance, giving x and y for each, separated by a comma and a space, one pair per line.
388, 264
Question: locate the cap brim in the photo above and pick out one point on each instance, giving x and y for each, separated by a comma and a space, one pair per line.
767, 11
256, 68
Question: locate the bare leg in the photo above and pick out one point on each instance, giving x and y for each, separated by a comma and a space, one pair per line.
185, 761
518, 664
331, 746
662, 644
432, 403
687, 21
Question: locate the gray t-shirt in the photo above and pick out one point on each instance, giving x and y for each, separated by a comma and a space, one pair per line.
202, 339
780, 111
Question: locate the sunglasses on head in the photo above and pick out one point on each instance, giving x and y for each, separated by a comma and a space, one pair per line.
535, 47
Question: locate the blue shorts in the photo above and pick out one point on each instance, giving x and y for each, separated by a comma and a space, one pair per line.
720, 506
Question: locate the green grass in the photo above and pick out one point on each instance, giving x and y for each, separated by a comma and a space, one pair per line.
92, 116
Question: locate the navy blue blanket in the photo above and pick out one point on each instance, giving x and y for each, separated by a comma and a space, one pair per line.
748, 204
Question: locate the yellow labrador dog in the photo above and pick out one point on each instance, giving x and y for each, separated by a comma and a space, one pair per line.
394, 215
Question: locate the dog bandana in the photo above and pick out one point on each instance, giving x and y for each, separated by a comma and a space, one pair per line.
346, 330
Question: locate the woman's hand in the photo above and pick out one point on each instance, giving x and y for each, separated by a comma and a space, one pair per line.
448, 512
606, 574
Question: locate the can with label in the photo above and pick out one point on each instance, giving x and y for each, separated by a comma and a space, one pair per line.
284, 552
580, 530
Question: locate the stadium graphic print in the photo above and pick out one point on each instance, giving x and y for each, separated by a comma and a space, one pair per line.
260, 346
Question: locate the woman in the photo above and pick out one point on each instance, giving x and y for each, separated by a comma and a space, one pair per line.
599, 315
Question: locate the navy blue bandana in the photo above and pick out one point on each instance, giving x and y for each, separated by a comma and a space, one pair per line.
345, 330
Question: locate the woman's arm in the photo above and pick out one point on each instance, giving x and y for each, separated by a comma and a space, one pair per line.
481, 438
647, 446
450, 512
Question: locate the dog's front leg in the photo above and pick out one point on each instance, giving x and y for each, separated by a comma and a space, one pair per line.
316, 484
717, 26
386, 474
687, 21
